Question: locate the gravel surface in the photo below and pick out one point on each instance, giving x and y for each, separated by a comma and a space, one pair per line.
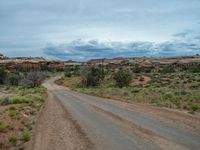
56, 130
71, 120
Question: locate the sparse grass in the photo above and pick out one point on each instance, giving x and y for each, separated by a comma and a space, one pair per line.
28, 126
3, 127
135, 90
24, 104
13, 112
4, 101
173, 90
13, 100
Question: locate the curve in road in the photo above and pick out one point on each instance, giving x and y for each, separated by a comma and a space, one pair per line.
114, 125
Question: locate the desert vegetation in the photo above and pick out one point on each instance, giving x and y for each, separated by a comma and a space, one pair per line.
167, 86
21, 98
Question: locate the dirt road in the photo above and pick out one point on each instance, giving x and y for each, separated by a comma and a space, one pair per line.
71, 120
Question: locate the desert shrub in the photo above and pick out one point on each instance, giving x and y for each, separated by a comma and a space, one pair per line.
194, 107
77, 85
26, 83
33, 79
75, 71
122, 78
194, 69
25, 137
68, 74
13, 140
13, 79
72, 70
147, 70
92, 76
125, 94
2, 75
155, 101
183, 92
136, 69
167, 96
84, 72
168, 69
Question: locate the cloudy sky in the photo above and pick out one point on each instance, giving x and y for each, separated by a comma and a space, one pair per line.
85, 29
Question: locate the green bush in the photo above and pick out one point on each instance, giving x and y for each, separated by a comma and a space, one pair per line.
92, 76
194, 69
77, 85
137, 69
194, 107
13, 140
122, 78
25, 137
68, 74
168, 69
13, 79
125, 94
2, 75
72, 71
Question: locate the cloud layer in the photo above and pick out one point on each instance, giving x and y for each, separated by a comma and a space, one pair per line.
185, 43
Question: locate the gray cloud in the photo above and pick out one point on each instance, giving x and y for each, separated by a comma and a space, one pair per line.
52, 50
182, 34
187, 45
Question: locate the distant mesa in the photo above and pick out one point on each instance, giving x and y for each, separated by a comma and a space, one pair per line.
34, 61
72, 62
2, 56
21, 59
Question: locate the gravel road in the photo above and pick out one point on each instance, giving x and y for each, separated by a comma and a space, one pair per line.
71, 120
